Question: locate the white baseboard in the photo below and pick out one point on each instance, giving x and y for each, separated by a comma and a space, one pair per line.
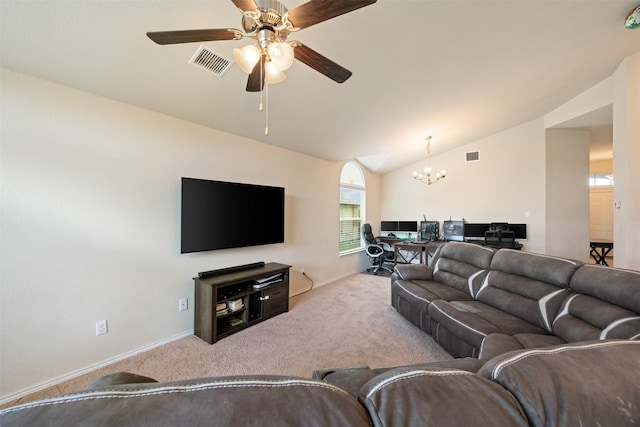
50, 383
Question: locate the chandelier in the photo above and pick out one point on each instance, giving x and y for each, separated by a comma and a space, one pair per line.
425, 176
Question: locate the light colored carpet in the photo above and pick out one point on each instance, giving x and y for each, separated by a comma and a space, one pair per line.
349, 322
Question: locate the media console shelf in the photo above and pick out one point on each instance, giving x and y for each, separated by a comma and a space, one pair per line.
233, 299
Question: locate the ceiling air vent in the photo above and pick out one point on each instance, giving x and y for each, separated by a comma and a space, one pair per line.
472, 156
210, 61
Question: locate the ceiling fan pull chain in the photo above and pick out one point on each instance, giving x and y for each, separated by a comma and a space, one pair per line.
266, 110
262, 80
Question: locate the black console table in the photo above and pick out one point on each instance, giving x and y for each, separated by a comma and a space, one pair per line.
232, 299
599, 250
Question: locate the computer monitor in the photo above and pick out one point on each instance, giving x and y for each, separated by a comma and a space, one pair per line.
411, 226
388, 226
475, 230
520, 230
453, 230
429, 230
392, 226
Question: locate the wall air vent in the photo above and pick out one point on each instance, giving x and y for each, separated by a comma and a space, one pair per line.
207, 59
472, 156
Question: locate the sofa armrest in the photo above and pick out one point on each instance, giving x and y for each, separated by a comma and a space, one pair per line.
222, 401
414, 272
439, 397
119, 378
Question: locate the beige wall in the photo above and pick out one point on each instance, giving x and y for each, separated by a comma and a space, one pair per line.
626, 157
567, 193
507, 182
90, 225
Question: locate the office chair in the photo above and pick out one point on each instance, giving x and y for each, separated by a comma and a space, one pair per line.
379, 252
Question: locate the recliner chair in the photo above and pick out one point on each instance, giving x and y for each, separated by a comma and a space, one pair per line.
379, 252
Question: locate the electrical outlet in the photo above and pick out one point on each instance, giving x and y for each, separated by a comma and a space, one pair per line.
183, 304
101, 327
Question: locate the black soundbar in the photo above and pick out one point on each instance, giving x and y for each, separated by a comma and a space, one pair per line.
235, 269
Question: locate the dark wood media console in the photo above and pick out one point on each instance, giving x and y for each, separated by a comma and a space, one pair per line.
229, 302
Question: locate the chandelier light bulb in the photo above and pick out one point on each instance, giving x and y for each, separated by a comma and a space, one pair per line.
281, 55
427, 171
272, 74
247, 57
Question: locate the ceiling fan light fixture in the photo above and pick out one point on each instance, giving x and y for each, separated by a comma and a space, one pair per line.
246, 57
281, 55
633, 19
272, 74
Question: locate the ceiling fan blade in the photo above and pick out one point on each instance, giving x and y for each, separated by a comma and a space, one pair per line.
245, 4
190, 36
320, 63
316, 11
255, 82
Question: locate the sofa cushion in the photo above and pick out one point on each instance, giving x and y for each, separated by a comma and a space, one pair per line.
462, 266
615, 285
422, 293
544, 268
592, 383
230, 401
529, 286
438, 397
584, 318
472, 321
606, 305
497, 344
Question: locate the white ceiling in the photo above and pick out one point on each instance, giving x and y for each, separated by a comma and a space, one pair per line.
459, 70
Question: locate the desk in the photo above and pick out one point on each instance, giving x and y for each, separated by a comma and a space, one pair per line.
407, 252
599, 250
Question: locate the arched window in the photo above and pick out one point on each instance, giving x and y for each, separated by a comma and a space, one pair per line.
352, 204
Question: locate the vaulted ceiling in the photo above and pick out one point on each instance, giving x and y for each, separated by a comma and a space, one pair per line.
458, 70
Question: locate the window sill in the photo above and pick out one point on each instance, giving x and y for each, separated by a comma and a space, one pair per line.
351, 251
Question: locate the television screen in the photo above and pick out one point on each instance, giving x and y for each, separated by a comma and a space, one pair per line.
222, 215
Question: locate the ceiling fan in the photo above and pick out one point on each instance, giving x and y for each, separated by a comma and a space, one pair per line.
269, 23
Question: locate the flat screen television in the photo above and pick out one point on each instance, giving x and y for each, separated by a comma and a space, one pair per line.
223, 215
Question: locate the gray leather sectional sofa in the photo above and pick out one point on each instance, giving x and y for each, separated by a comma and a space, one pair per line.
539, 341
479, 302
584, 384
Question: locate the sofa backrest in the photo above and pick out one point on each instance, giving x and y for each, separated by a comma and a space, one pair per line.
461, 265
605, 304
529, 286
592, 383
